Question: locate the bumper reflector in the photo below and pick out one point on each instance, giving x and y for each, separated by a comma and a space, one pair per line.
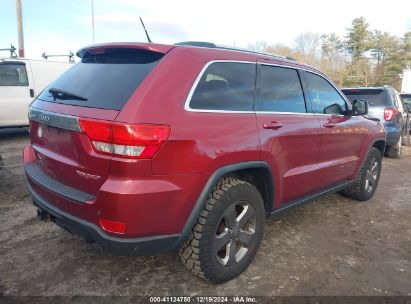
112, 226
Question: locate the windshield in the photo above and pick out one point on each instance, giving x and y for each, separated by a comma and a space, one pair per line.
104, 81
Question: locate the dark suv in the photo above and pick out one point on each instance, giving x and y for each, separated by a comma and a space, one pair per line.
147, 148
385, 104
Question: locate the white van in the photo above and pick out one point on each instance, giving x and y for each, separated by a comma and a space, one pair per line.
20, 81
406, 81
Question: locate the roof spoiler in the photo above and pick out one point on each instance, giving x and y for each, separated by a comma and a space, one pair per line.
102, 48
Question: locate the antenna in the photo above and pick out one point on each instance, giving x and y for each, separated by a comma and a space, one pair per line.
148, 37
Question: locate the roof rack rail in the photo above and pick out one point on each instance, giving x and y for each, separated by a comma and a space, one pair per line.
70, 56
12, 50
230, 48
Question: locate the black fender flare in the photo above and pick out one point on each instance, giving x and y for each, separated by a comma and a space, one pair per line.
218, 174
381, 139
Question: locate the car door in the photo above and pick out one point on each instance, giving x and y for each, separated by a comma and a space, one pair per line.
342, 133
16, 93
289, 135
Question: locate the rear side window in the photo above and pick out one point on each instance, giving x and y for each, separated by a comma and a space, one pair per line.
375, 97
281, 90
225, 86
324, 97
13, 74
104, 81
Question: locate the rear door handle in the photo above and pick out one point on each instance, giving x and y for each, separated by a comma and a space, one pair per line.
273, 125
31, 93
329, 125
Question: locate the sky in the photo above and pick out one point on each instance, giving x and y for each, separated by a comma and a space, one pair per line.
60, 26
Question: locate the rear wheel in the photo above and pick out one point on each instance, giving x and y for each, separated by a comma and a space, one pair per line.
228, 232
395, 150
367, 181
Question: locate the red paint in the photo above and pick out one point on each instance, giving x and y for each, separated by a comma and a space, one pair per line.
155, 196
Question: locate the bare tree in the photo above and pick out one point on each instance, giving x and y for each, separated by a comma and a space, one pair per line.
281, 49
258, 46
307, 43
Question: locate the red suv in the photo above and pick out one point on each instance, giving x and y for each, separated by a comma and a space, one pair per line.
147, 148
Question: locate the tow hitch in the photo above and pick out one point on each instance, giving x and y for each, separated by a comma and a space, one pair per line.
45, 216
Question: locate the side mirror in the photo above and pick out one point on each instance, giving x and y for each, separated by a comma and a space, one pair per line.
359, 107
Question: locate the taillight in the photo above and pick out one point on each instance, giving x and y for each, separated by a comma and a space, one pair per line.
125, 140
389, 113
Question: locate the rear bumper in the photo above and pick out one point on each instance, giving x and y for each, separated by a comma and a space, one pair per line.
120, 246
154, 209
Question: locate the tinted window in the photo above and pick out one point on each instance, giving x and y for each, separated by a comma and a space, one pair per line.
225, 86
281, 90
406, 98
324, 97
13, 74
375, 97
106, 80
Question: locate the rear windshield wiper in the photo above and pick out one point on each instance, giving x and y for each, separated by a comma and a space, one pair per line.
62, 94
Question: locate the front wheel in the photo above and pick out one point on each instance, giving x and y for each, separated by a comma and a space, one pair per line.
228, 232
367, 181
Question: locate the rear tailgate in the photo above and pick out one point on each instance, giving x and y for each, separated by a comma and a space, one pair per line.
97, 89
376, 98
62, 151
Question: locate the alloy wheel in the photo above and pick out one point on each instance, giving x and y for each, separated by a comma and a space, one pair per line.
372, 175
235, 233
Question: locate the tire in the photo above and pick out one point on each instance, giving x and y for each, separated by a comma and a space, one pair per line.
233, 214
367, 181
395, 150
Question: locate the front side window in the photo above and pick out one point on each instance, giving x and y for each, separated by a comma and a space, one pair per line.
281, 90
13, 74
227, 86
324, 97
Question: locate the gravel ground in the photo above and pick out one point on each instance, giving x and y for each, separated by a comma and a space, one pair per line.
335, 246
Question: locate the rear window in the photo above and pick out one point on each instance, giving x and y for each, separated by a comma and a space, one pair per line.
104, 81
374, 97
227, 86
